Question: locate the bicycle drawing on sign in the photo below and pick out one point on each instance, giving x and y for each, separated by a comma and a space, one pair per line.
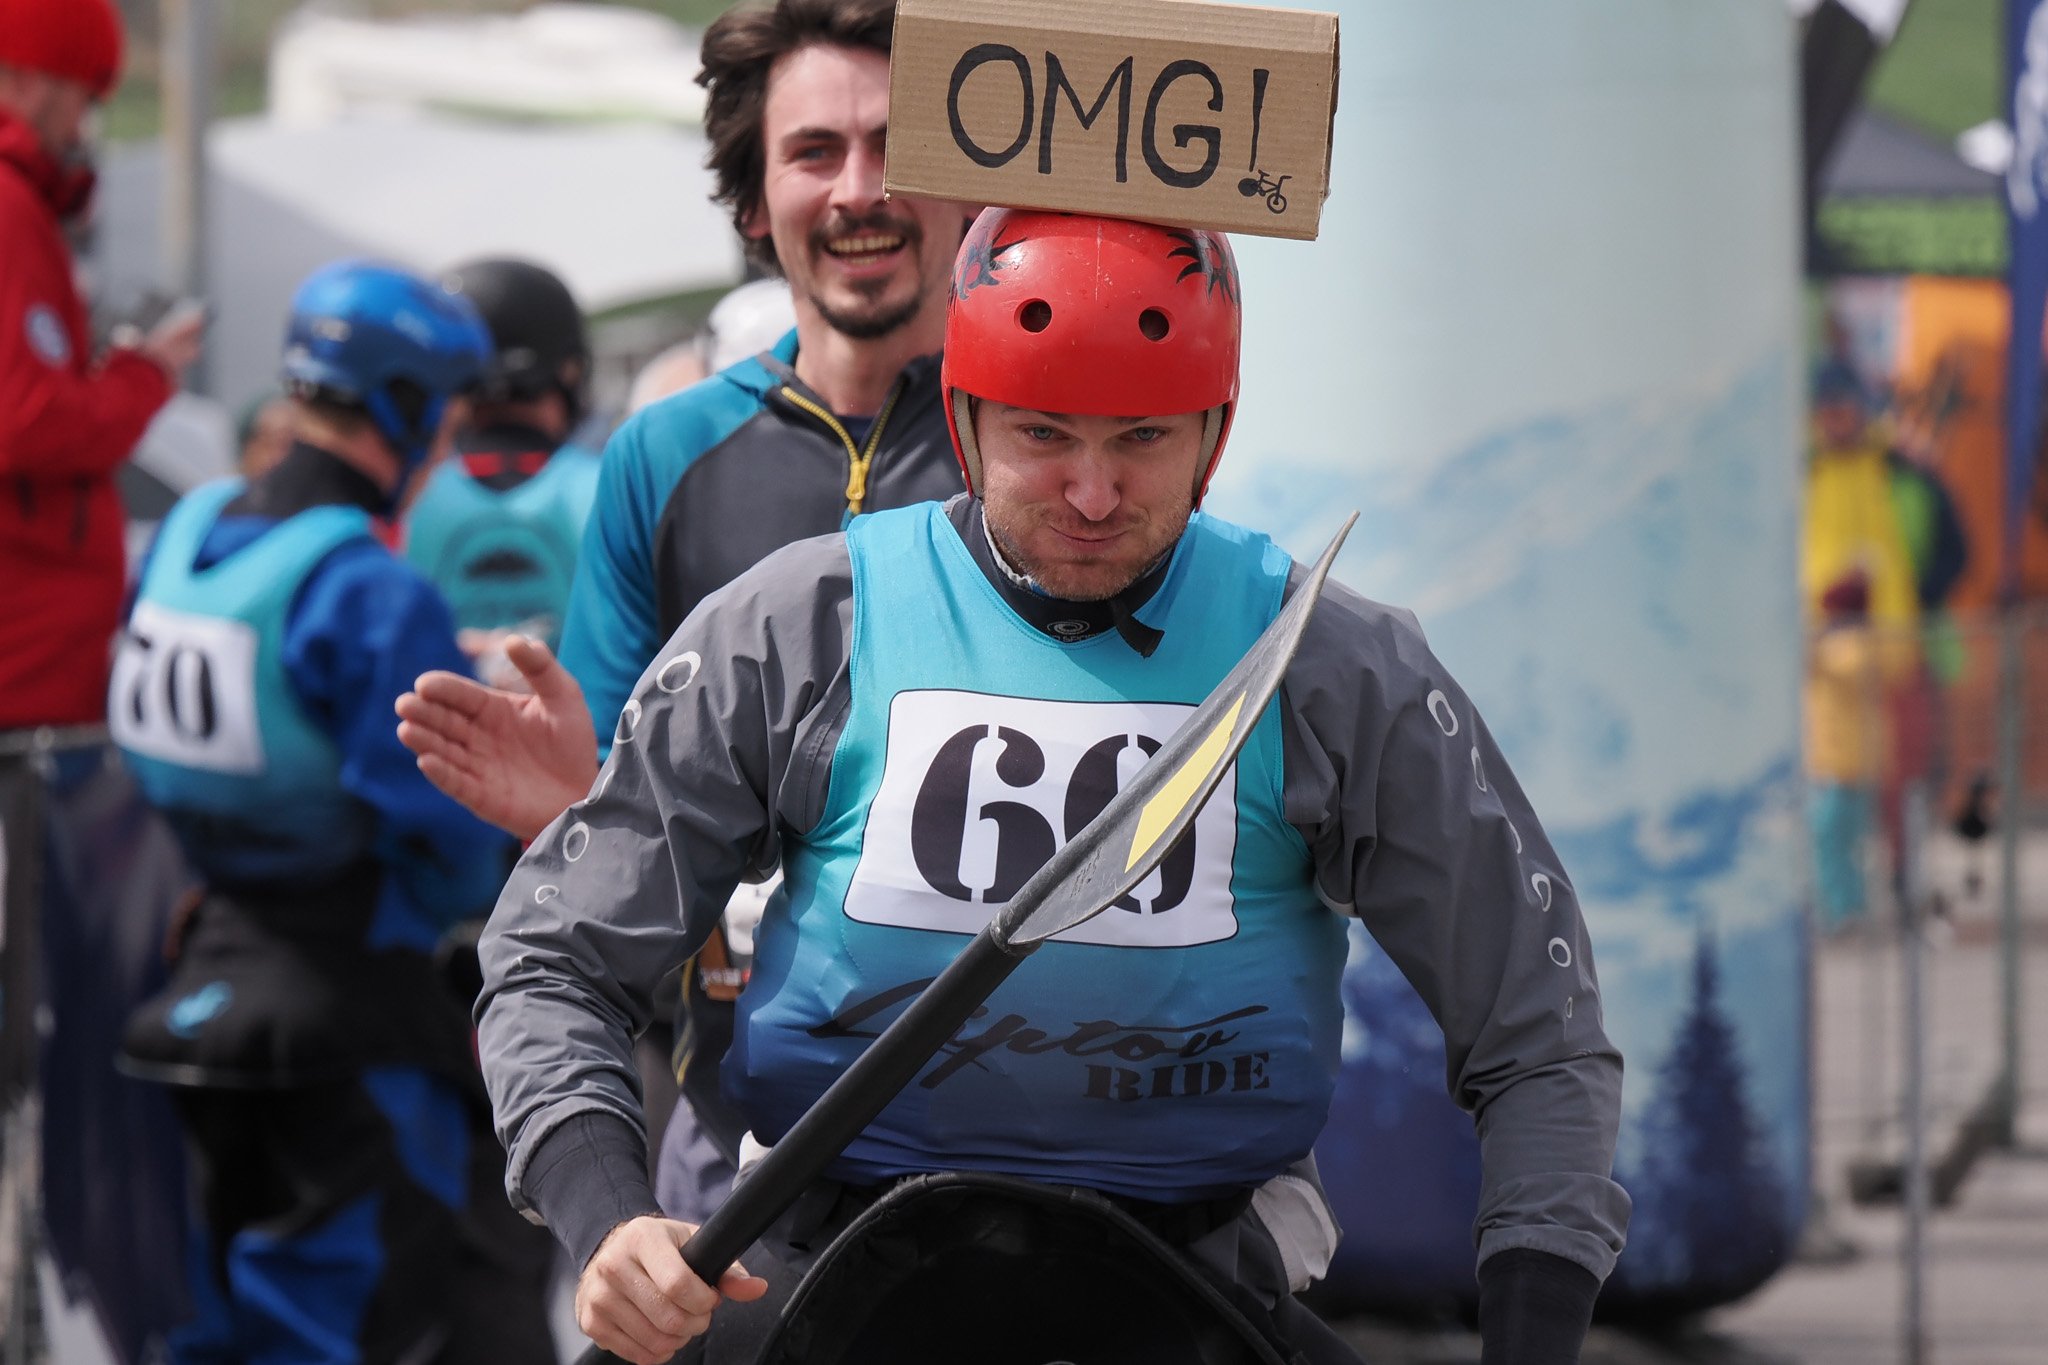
1253, 186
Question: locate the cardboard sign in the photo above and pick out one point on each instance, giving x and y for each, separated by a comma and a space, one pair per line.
1170, 111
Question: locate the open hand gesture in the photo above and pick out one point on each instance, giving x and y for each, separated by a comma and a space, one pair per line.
516, 760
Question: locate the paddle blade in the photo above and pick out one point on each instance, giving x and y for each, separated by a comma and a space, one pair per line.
1137, 829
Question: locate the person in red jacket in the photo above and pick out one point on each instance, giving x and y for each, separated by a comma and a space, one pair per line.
68, 418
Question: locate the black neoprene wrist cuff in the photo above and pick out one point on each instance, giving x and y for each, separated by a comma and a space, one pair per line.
1534, 1308
588, 1176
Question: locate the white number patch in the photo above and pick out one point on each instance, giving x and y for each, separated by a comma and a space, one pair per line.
184, 691
978, 791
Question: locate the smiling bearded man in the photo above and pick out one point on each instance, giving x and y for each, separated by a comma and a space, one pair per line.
839, 418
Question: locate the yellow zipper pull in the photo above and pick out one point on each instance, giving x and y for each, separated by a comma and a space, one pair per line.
857, 468
857, 460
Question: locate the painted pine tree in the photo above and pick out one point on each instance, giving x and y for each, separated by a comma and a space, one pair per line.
1711, 1218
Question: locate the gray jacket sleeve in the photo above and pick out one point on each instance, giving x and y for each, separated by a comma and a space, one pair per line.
1418, 827
724, 743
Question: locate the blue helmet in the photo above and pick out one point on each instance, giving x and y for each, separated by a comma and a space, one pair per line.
382, 339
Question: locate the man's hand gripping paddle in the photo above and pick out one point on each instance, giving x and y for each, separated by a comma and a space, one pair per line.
1117, 850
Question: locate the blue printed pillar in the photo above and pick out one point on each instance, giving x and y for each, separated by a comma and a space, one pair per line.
1549, 345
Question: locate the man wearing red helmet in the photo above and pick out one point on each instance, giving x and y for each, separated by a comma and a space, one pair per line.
909, 717
67, 418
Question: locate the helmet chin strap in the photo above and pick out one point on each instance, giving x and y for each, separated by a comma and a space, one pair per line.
1212, 432
970, 453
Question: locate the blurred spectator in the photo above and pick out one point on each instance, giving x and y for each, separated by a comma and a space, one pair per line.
1852, 522
670, 371
748, 321
1845, 746
839, 416
497, 525
67, 418
348, 1187
263, 434
1858, 508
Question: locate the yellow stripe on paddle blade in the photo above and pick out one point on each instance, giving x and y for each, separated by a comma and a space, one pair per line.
1161, 810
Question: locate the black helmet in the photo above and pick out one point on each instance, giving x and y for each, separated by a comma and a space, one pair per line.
536, 326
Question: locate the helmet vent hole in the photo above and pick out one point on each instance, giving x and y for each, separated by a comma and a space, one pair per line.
1035, 316
1154, 325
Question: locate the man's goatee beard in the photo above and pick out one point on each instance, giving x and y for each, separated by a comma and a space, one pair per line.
866, 326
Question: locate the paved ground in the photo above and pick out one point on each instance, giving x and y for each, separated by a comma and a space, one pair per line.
1987, 1254
1987, 1283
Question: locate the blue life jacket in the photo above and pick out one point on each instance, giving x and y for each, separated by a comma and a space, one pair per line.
504, 558
1181, 1045
201, 707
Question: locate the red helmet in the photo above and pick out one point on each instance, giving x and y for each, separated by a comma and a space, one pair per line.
79, 40
1103, 317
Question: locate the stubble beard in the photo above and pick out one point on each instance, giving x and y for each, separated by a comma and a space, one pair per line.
1103, 581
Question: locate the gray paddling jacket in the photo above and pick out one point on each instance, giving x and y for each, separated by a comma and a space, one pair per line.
754, 741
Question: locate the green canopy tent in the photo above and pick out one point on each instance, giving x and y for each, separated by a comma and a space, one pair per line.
1898, 201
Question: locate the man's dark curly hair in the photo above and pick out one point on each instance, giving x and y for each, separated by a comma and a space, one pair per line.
739, 48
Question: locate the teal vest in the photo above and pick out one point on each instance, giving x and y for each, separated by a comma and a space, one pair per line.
201, 707
1178, 1046
504, 559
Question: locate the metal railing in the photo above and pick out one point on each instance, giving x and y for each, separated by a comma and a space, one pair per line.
1920, 994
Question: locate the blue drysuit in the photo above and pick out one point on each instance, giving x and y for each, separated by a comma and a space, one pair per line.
319, 1058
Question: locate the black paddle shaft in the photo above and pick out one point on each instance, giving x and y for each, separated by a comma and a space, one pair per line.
851, 1103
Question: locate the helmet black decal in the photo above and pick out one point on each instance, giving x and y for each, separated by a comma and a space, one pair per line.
980, 258
1205, 260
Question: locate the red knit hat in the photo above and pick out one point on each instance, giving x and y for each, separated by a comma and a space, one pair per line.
79, 40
